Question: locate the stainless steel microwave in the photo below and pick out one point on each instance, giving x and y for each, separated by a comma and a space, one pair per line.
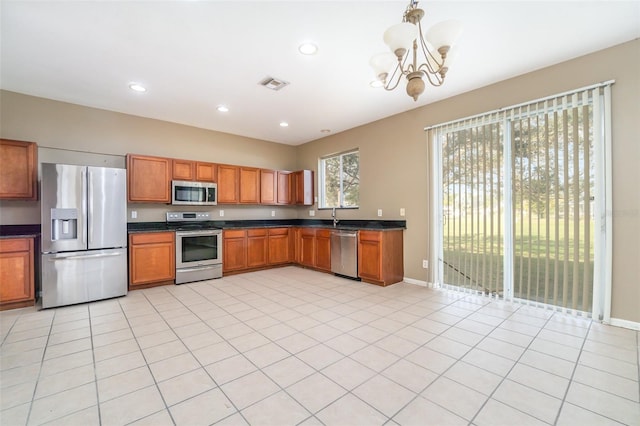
188, 193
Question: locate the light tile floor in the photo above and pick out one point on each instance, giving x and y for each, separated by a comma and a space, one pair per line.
293, 346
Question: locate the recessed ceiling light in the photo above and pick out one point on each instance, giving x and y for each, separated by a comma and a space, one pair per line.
137, 87
222, 108
308, 49
325, 130
284, 124
376, 84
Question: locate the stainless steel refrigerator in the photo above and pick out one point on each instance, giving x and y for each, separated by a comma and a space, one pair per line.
84, 233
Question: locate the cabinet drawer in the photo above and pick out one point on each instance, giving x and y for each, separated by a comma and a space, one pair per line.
239, 233
12, 245
152, 237
278, 231
308, 232
257, 233
370, 236
323, 233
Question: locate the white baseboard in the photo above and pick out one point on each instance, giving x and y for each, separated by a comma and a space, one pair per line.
617, 322
415, 282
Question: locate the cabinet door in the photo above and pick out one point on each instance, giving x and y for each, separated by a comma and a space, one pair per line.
18, 171
304, 187
16, 270
152, 258
149, 179
228, 184
234, 254
308, 247
205, 172
279, 246
249, 185
268, 187
323, 249
283, 187
370, 255
183, 170
257, 248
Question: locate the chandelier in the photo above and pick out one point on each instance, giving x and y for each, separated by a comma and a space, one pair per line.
408, 48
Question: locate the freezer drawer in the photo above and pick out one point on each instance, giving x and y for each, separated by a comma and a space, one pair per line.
77, 277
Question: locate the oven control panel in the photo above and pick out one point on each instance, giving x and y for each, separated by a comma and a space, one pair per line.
188, 216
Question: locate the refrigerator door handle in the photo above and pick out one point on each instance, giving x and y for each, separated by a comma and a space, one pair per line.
90, 205
83, 256
83, 175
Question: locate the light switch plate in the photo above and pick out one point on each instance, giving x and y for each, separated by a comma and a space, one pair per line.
402, 211
379, 212
221, 213
273, 213
312, 212
134, 214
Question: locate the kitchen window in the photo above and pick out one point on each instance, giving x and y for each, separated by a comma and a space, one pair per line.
339, 184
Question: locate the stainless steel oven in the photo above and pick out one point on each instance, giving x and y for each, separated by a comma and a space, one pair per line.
198, 247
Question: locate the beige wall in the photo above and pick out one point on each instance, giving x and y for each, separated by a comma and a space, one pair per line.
393, 158
393, 154
74, 134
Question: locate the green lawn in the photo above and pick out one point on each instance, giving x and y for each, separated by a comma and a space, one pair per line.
470, 262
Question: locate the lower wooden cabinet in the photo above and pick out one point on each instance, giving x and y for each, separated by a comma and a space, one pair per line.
380, 257
152, 259
280, 246
323, 249
234, 253
257, 248
307, 247
16, 273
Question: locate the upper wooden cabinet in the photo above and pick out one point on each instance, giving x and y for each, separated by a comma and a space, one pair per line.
284, 188
194, 170
303, 187
206, 172
228, 184
18, 170
149, 179
183, 170
16, 273
268, 186
249, 185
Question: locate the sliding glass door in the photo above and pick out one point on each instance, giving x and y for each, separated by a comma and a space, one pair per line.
516, 202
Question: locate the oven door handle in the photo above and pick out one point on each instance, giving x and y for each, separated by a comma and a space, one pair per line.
200, 268
197, 233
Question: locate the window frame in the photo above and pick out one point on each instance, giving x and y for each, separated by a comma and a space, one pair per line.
322, 177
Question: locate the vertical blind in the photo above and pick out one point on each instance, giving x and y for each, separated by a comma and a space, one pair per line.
515, 191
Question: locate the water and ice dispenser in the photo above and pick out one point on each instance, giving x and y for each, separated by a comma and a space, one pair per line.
64, 224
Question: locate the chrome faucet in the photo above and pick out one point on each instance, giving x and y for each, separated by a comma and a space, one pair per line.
333, 215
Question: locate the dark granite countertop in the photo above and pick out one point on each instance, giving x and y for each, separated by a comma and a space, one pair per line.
376, 225
19, 231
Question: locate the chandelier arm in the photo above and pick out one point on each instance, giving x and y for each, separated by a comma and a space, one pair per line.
396, 75
435, 79
428, 55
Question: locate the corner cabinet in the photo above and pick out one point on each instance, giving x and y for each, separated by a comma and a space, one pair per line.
149, 179
380, 257
18, 170
152, 259
16, 273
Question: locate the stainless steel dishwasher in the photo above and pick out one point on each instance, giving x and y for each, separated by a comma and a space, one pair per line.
344, 253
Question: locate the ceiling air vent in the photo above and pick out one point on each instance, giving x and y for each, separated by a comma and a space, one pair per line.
273, 83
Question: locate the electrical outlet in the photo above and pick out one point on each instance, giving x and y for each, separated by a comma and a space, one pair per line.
273, 213
401, 211
312, 212
425, 264
221, 213
379, 212
134, 214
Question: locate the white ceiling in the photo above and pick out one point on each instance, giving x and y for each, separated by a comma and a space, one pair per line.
195, 55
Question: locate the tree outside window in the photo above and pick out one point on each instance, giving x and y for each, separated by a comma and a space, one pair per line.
340, 180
